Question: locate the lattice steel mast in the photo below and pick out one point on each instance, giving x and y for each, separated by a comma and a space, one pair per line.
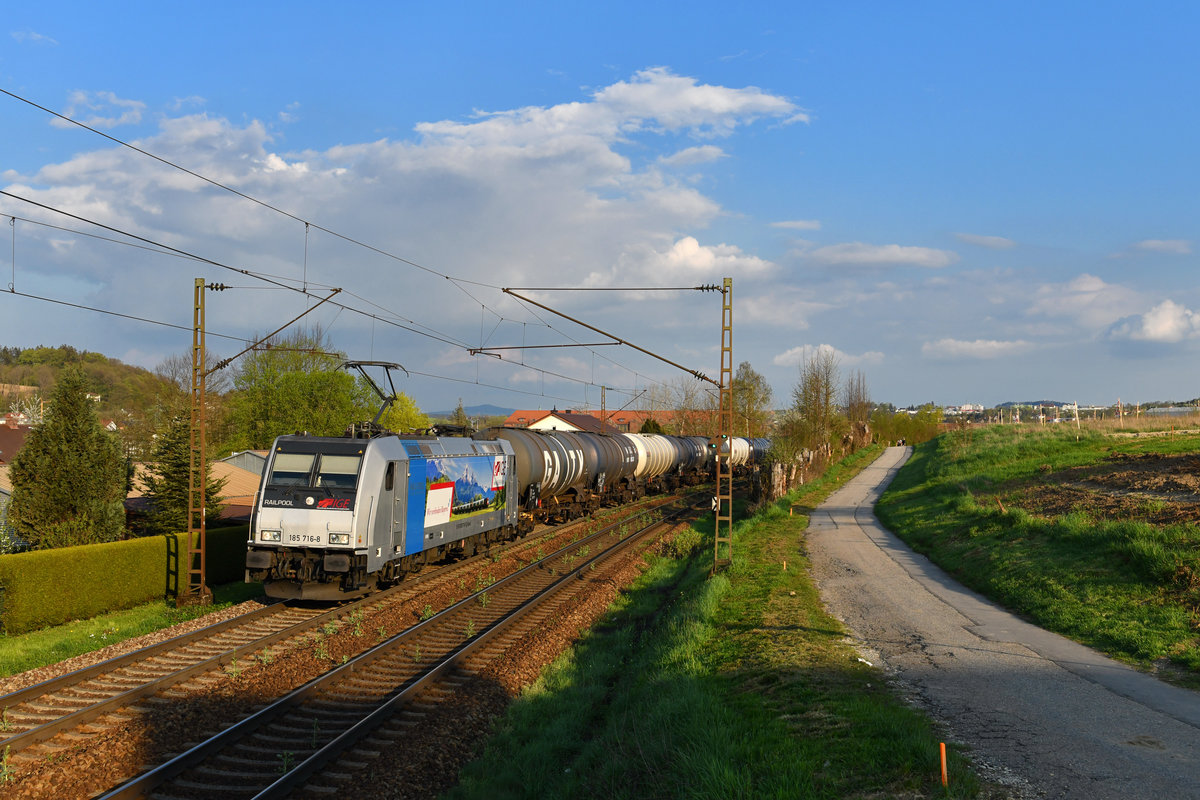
197, 591
723, 530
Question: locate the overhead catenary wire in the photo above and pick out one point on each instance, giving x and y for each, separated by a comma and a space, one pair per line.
312, 351
212, 262
278, 282
697, 374
237, 192
457, 281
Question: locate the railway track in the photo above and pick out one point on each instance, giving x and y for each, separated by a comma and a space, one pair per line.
314, 735
39, 712
55, 720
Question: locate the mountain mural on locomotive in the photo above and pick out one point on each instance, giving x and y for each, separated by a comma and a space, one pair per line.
462, 486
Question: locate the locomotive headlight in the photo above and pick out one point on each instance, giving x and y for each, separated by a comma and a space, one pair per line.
268, 536
339, 538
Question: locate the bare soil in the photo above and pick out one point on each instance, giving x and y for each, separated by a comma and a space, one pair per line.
1160, 489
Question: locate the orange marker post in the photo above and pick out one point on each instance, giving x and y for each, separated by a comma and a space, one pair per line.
945, 779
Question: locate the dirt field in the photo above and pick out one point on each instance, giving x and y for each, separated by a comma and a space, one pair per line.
1161, 489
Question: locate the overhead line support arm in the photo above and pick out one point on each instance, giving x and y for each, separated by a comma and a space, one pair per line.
618, 340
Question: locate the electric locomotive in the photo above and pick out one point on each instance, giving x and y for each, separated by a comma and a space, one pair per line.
336, 517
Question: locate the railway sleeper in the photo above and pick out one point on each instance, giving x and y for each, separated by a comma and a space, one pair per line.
269, 749
213, 789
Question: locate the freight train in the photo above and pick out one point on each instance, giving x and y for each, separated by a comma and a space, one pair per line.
340, 516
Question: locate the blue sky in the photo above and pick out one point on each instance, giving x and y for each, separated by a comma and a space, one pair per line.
967, 202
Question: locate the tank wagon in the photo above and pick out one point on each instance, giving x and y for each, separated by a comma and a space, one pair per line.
339, 516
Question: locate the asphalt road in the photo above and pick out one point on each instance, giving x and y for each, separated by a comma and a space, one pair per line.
1049, 717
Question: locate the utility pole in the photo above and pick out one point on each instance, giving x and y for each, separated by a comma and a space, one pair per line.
722, 442
723, 502
197, 592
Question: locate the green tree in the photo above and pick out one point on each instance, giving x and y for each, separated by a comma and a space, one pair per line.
751, 394
167, 483
69, 480
294, 384
404, 416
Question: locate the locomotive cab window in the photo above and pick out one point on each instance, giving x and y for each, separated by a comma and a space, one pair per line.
338, 472
292, 469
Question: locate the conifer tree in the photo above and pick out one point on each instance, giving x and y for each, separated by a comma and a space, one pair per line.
69, 480
167, 483
460, 415
651, 426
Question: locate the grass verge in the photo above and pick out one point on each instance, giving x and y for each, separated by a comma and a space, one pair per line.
51, 645
1126, 586
733, 686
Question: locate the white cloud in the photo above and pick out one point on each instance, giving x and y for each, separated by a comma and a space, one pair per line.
693, 155
685, 261
857, 253
1087, 300
539, 196
990, 242
798, 225
676, 102
978, 349
119, 111
1181, 247
799, 355
1167, 322
655, 101
191, 101
32, 37
786, 307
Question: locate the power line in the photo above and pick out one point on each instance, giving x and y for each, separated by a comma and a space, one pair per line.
238, 192
619, 340
114, 313
458, 282
428, 331
243, 340
168, 249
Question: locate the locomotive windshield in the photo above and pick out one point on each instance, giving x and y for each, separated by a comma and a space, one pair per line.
316, 470
292, 469
338, 472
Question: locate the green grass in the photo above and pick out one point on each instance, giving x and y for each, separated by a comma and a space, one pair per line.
51, 645
1126, 587
733, 686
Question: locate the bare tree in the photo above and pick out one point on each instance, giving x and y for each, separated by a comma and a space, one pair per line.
814, 402
654, 401
177, 369
857, 398
685, 403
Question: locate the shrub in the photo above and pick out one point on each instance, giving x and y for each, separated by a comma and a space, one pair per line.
50, 587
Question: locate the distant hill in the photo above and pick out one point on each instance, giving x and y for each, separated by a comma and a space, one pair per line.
1055, 403
124, 390
473, 411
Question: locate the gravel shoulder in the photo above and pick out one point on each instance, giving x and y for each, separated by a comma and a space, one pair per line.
1039, 713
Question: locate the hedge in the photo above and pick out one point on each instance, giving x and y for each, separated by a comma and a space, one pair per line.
50, 587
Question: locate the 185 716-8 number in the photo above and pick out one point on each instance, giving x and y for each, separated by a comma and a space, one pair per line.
303, 538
